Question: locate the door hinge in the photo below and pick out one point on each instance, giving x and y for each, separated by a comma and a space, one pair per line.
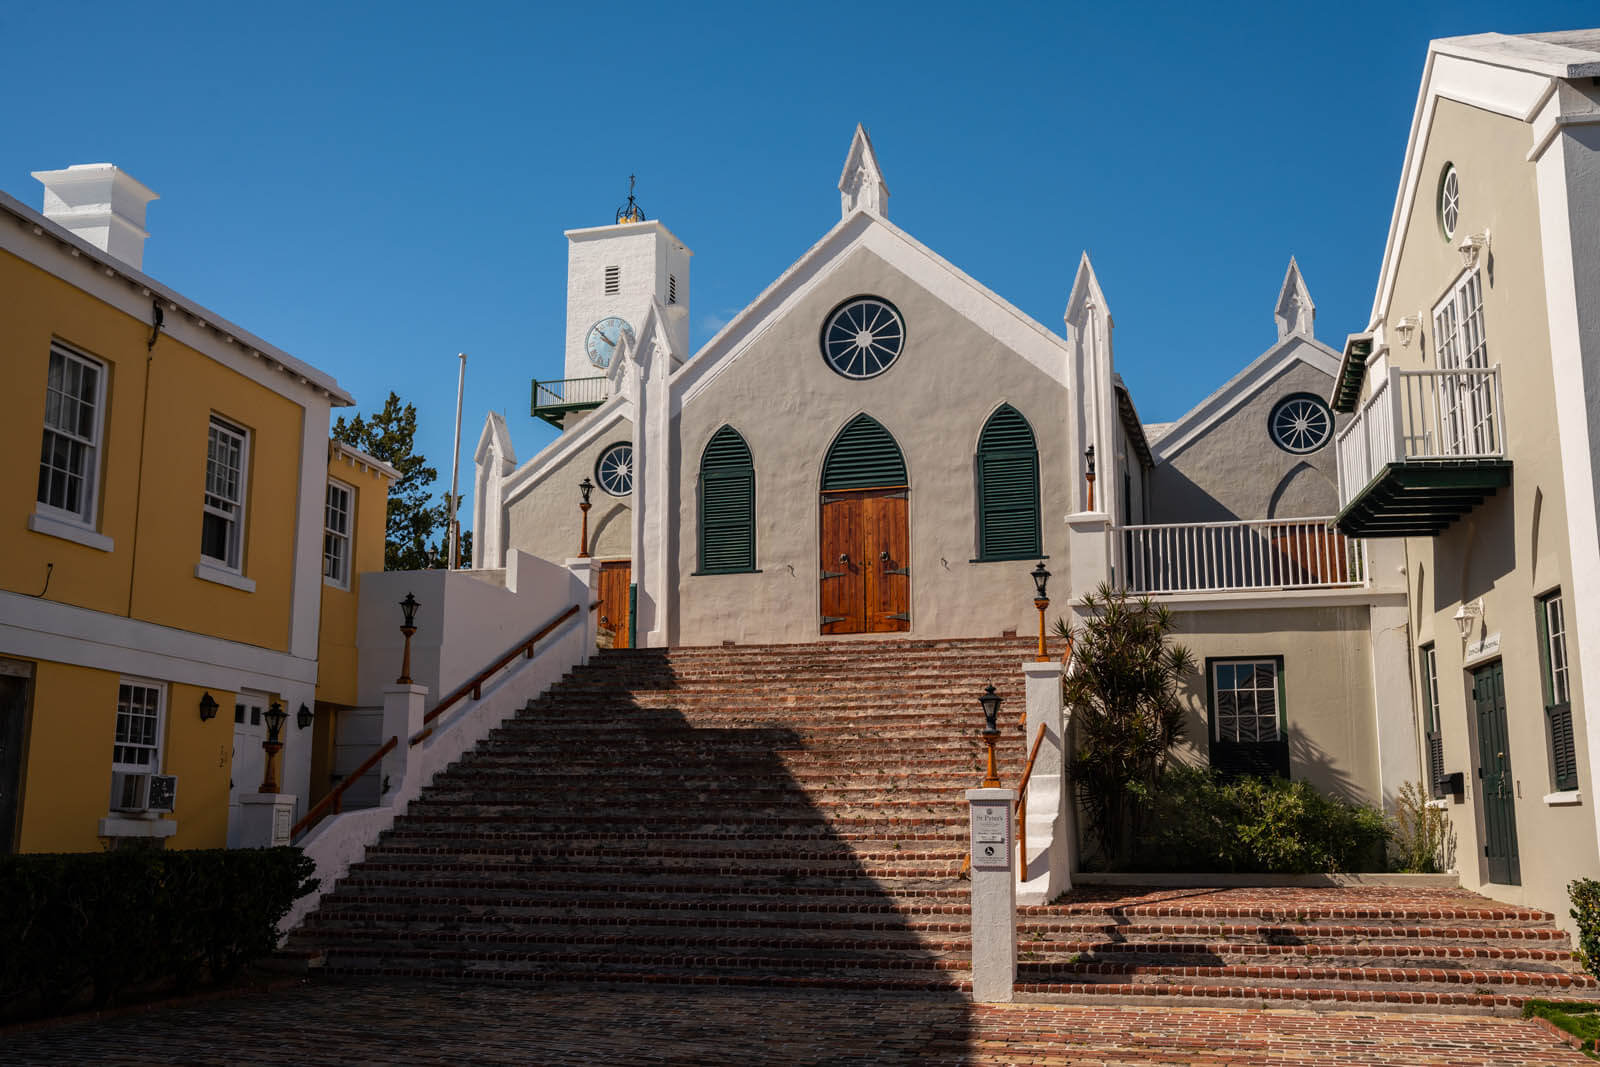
901, 615
833, 574
897, 570
826, 619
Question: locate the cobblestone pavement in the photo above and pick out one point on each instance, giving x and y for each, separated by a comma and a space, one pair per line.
457, 1023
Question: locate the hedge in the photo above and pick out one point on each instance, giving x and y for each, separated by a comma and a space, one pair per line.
93, 925
1200, 821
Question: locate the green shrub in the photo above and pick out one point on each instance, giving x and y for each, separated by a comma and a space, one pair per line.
1585, 894
1198, 821
97, 924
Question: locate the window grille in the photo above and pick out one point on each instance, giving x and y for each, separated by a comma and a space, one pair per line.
138, 741
221, 523
336, 534
1246, 701
68, 457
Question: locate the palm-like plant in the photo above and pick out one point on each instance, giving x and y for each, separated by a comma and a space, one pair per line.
1122, 695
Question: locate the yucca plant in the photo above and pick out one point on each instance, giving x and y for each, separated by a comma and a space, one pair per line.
1122, 694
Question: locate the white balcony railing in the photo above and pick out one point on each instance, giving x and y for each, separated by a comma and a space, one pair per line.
1226, 557
1419, 415
571, 392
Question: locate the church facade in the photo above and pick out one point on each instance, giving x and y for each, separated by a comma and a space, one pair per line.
878, 445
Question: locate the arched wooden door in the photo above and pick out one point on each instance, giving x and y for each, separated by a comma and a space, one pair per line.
865, 533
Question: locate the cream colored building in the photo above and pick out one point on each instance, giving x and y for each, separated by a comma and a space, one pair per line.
879, 445
1473, 446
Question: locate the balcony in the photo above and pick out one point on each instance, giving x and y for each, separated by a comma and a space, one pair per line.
1423, 450
554, 400
1230, 557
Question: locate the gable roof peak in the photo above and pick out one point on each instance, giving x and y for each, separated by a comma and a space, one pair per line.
1295, 312
861, 184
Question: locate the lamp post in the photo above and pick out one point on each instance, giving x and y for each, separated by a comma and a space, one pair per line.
1041, 578
585, 487
1088, 456
990, 702
272, 746
409, 605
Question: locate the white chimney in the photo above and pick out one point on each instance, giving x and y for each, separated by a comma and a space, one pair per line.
101, 204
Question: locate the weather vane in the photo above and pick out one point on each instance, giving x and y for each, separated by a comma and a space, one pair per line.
631, 212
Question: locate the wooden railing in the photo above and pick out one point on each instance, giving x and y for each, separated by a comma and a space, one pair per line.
475, 684
1226, 557
335, 799
1022, 805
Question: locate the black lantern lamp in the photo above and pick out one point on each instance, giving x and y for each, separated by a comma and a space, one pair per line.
409, 606
208, 707
1088, 456
1041, 600
585, 487
274, 717
990, 702
303, 717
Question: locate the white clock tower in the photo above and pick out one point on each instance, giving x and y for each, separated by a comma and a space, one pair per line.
613, 272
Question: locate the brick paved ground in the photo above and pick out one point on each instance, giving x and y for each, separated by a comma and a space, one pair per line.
455, 1023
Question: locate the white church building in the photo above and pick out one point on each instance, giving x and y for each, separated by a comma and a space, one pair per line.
879, 445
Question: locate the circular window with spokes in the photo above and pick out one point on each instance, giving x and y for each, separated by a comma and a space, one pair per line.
1300, 424
1449, 201
863, 337
614, 470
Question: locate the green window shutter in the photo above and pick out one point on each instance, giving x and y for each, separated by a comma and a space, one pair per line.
727, 505
863, 456
1008, 488
1558, 716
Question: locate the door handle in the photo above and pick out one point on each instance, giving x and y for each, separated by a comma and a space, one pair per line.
844, 557
884, 555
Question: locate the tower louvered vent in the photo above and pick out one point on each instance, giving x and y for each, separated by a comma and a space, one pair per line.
613, 280
672, 288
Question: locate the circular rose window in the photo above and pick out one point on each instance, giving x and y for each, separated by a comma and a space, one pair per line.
1449, 201
1300, 424
614, 470
863, 336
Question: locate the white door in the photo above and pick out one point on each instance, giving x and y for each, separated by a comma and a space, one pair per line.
249, 760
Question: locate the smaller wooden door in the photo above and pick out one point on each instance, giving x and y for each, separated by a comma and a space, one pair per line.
615, 579
1496, 784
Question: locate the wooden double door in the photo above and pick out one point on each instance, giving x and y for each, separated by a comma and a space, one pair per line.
866, 576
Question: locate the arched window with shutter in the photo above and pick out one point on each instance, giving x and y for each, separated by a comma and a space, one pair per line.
727, 505
1008, 488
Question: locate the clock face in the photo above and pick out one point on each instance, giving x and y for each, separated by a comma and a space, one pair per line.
604, 336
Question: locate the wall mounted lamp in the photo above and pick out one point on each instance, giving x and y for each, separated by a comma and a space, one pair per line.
303, 717
1406, 329
1466, 615
1472, 247
208, 707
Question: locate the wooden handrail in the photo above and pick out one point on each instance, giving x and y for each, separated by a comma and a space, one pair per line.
336, 798
1022, 805
474, 685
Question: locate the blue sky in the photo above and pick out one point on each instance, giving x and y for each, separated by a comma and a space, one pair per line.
376, 187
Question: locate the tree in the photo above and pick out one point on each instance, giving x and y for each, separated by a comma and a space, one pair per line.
1122, 691
413, 519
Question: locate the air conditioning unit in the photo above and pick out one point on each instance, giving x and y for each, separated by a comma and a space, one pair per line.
138, 792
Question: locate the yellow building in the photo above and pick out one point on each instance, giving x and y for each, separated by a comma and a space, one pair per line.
181, 559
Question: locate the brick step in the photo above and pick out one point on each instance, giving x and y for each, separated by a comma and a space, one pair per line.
1482, 909
645, 809
1372, 933
1436, 977
685, 976
469, 851
446, 826
841, 868
598, 957
698, 794
1441, 955
1298, 996
643, 899
553, 940
535, 906
702, 885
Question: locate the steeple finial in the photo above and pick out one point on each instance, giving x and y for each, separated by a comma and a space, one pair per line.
631, 211
861, 185
1295, 312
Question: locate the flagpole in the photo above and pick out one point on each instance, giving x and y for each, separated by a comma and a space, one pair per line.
455, 469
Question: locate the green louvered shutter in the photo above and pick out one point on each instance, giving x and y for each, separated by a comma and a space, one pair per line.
863, 456
1008, 488
727, 505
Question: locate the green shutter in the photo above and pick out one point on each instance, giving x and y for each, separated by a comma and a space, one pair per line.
1558, 717
1008, 488
863, 456
727, 505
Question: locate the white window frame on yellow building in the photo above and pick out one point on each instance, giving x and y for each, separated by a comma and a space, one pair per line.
49, 518
340, 579
122, 740
229, 568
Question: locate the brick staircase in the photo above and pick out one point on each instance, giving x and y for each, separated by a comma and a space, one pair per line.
793, 815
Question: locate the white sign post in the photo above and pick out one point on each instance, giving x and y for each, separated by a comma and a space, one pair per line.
994, 894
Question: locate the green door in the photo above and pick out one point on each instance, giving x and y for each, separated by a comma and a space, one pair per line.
13, 713
1496, 786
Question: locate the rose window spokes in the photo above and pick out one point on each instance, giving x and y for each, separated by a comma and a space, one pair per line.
1301, 424
863, 337
614, 472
